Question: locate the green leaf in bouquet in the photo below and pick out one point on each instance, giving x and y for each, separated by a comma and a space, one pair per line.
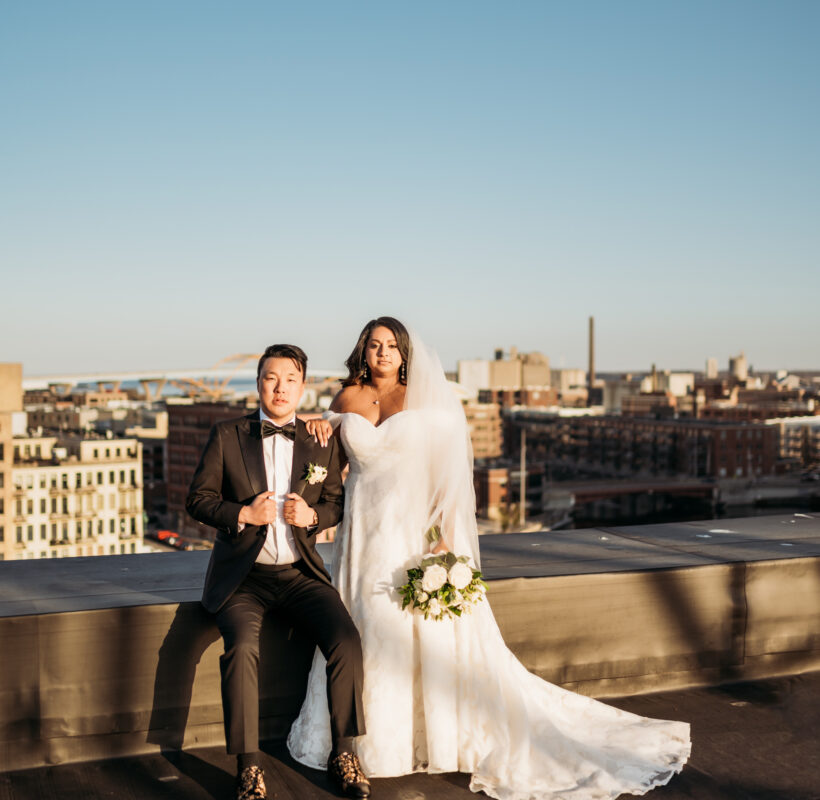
450, 559
433, 534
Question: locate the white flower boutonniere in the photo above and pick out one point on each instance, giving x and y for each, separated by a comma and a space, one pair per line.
315, 474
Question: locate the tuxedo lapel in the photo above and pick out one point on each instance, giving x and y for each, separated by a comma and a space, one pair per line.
252, 456
302, 446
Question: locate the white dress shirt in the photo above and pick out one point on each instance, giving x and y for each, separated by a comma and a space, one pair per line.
279, 547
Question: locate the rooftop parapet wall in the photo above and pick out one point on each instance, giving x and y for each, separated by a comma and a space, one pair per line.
113, 655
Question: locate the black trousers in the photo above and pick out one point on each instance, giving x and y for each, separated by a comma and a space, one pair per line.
312, 606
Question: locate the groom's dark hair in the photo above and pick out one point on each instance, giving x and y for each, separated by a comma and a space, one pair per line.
283, 351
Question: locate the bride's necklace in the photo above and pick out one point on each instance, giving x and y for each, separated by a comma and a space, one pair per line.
384, 394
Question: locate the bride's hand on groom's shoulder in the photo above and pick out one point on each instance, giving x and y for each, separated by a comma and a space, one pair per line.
320, 429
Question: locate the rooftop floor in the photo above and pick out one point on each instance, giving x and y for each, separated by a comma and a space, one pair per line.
751, 741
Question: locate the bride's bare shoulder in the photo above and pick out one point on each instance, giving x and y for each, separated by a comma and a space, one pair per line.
350, 398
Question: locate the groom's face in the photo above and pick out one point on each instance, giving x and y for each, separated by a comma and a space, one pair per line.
281, 385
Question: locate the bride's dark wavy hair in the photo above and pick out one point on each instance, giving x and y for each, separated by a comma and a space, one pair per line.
356, 363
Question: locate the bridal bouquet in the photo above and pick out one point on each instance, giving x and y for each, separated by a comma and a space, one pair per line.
443, 585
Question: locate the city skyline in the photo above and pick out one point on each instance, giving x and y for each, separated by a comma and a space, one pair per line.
492, 175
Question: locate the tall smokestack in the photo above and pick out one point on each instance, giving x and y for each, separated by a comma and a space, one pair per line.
591, 352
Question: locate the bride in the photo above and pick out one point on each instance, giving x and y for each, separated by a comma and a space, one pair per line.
447, 695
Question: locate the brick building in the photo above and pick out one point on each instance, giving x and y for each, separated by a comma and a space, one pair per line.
622, 446
188, 427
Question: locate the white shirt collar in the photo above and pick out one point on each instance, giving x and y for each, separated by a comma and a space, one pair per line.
264, 416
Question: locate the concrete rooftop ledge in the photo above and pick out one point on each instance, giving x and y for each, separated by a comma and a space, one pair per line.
113, 656
52, 586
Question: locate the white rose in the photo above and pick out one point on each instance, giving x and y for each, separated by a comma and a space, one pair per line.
423, 597
435, 576
317, 475
460, 575
434, 607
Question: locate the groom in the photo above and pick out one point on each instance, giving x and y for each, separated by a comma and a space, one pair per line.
268, 488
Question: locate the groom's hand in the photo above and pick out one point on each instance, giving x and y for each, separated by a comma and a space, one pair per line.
298, 512
261, 511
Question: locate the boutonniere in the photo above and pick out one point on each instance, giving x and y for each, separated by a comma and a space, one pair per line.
314, 474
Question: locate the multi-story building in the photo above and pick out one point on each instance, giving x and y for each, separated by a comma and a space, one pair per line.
541, 397
799, 439
516, 371
75, 496
188, 426
623, 446
484, 421
11, 406
649, 404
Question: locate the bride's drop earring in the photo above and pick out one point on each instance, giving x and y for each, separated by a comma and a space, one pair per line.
403, 372
365, 372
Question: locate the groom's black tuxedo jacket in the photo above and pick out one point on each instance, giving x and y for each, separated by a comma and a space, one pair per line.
230, 474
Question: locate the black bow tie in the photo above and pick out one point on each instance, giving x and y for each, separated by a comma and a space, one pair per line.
263, 428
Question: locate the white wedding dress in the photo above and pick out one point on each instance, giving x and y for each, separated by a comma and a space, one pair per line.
446, 696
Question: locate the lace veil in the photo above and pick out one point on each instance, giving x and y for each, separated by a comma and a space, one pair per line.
443, 453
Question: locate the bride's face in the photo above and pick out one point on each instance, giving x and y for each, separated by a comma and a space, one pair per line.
382, 353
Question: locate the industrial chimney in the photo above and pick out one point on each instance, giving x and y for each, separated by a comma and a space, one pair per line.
591, 353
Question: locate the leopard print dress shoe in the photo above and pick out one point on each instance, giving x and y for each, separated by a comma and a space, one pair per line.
347, 773
250, 784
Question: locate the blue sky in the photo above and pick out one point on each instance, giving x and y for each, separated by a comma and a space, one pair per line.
186, 180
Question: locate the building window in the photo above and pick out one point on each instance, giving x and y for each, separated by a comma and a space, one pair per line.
112, 526
43, 532
99, 478
43, 504
96, 452
30, 507
2, 534
19, 534
2, 480
111, 476
30, 533
99, 526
